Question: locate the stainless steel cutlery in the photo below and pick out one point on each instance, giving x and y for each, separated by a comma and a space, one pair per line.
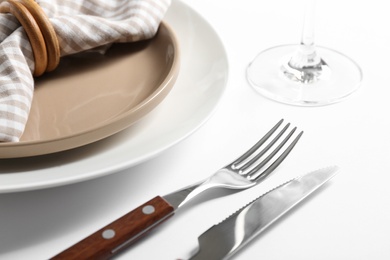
248, 170
223, 240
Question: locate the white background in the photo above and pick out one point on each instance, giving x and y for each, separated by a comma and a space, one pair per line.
348, 219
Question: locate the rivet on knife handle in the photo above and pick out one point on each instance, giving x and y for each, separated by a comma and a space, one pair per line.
122, 232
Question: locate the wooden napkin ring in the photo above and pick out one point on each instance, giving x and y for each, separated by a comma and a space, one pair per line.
48, 32
32, 30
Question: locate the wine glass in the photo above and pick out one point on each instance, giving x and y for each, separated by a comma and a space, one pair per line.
304, 74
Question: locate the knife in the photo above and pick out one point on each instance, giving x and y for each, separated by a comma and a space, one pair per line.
225, 239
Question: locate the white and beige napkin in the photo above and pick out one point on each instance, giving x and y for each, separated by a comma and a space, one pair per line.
80, 25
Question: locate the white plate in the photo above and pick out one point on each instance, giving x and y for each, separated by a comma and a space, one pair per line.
198, 90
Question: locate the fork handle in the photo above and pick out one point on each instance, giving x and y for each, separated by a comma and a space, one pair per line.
114, 237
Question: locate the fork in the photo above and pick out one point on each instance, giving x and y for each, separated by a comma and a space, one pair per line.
243, 173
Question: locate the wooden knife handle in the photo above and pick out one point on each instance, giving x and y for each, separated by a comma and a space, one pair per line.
114, 237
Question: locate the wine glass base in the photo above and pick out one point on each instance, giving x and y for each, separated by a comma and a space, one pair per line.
267, 75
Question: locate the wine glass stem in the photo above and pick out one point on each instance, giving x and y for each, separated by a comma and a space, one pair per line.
308, 24
305, 65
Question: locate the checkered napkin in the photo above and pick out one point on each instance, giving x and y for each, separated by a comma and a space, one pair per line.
80, 25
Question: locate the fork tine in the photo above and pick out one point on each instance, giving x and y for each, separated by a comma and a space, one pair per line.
257, 145
248, 164
278, 161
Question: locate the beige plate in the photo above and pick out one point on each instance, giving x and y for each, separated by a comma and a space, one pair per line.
92, 96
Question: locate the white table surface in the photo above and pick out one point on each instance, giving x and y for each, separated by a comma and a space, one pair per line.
348, 219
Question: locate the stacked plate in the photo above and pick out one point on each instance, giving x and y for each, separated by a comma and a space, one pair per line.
97, 114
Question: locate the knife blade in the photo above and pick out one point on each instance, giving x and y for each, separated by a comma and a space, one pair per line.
223, 240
